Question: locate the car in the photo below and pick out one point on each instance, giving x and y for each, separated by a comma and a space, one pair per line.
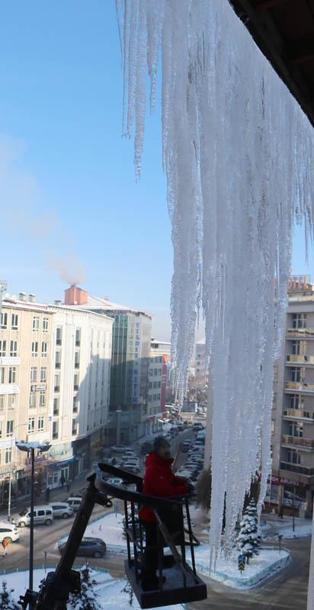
61, 509
89, 547
43, 515
8, 531
74, 502
114, 481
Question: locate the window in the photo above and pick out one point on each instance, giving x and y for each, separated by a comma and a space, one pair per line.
44, 349
8, 455
32, 400
294, 457
1, 402
296, 402
59, 336
296, 345
74, 427
14, 321
4, 320
296, 429
57, 383
35, 323
41, 424
42, 398
56, 406
13, 349
58, 360
34, 349
3, 348
75, 404
10, 427
45, 325
76, 382
2, 377
31, 424
77, 360
55, 430
43, 374
12, 374
33, 374
1, 426
78, 337
296, 375
11, 401
298, 320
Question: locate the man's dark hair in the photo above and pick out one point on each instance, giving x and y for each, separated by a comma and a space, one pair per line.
160, 441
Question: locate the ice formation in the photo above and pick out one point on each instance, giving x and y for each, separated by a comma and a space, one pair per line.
237, 152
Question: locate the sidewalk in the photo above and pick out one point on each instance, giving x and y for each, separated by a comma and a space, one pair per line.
284, 527
61, 493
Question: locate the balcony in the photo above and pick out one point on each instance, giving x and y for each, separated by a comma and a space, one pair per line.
298, 441
299, 386
299, 414
309, 472
300, 333
300, 359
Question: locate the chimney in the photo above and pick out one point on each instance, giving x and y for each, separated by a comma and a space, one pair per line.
58, 302
75, 296
31, 298
22, 296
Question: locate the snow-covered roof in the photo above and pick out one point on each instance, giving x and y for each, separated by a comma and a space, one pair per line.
104, 304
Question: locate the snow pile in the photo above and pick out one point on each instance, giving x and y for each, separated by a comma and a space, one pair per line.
110, 529
112, 594
238, 155
264, 566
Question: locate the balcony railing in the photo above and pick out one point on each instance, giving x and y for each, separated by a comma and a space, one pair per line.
300, 386
307, 333
297, 468
298, 441
300, 359
298, 413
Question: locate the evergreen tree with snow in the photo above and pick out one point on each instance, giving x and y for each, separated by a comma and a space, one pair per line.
6, 600
86, 598
248, 539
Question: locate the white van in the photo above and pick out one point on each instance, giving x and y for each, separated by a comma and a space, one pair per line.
43, 515
8, 530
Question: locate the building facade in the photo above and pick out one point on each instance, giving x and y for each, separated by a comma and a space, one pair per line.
158, 384
293, 412
80, 381
131, 333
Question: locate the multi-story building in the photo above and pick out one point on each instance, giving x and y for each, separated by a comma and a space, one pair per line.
201, 365
54, 385
293, 412
131, 334
80, 381
25, 366
158, 379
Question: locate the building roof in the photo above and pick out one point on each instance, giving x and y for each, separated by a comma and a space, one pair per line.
94, 303
13, 302
284, 31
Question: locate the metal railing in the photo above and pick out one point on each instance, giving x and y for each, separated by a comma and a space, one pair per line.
300, 359
299, 413
298, 440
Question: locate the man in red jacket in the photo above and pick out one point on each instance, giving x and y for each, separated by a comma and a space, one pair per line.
159, 480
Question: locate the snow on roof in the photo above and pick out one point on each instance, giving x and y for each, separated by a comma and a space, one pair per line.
103, 303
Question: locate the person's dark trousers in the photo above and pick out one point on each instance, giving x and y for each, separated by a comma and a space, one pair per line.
150, 557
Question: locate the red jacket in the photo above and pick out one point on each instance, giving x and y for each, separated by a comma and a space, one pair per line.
159, 480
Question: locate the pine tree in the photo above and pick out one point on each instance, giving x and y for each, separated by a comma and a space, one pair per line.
86, 598
248, 539
6, 599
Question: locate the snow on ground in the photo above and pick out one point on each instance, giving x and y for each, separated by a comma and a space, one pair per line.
110, 529
113, 593
263, 566
302, 528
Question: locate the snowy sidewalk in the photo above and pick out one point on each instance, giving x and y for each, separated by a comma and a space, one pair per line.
284, 527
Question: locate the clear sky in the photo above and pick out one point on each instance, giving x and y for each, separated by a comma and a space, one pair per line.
70, 205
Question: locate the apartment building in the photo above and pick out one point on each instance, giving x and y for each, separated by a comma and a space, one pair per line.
25, 371
80, 382
158, 380
131, 333
293, 412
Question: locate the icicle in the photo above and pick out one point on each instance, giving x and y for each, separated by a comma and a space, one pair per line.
237, 152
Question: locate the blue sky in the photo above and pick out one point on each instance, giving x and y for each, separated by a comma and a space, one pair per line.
69, 199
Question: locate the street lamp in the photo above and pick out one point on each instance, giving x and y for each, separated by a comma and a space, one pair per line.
31, 447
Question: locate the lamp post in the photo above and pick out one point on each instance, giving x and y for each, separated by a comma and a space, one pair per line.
30, 448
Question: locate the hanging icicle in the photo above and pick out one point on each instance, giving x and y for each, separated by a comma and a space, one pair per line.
237, 154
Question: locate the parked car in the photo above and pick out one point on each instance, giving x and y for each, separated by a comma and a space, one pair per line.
43, 515
61, 509
114, 481
9, 531
89, 547
74, 502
